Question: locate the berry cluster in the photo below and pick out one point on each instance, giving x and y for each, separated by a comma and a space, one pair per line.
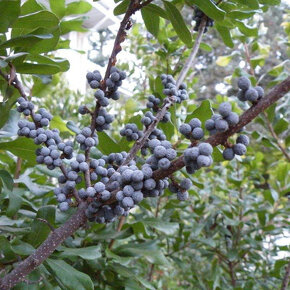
240, 148
222, 122
94, 79
248, 93
162, 152
198, 16
197, 157
131, 132
25, 106
181, 189
192, 130
179, 94
153, 103
86, 139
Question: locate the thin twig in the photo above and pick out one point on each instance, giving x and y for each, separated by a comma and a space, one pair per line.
17, 170
286, 278
119, 228
274, 135
47, 222
168, 101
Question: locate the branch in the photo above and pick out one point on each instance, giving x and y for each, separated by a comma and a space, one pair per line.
286, 278
43, 252
274, 135
273, 96
168, 101
120, 225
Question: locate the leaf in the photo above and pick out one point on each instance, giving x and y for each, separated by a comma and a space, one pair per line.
39, 230
246, 30
157, 10
78, 7
270, 2
223, 60
236, 14
9, 11
254, 4
281, 126
178, 23
25, 41
59, 124
168, 228
11, 128
203, 112
21, 147
7, 253
87, 253
58, 7
121, 8
106, 144
225, 35
61, 63
7, 179
35, 68
44, 19
151, 21
209, 8
72, 25
69, 277
15, 202
35, 188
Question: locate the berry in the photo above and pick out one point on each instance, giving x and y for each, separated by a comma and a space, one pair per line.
243, 139
127, 202
203, 161
221, 125
186, 184
205, 149
225, 109
232, 119
63, 206
164, 163
197, 133
182, 196
228, 154
185, 129
260, 92
252, 95
240, 149
244, 83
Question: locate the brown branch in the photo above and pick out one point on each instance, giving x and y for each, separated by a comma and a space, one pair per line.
151, 271
46, 249
168, 101
248, 58
17, 170
120, 225
273, 96
286, 278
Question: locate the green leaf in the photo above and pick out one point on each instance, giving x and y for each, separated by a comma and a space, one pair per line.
7, 253
246, 30
72, 25
7, 179
58, 7
59, 124
87, 253
25, 41
178, 23
61, 63
203, 112
35, 188
78, 7
15, 202
9, 11
281, 126
254, 4
39, 230
121, 8
210, 9
270, 2
157, 10
69, 277
35, 68
21, 147
15, 56
151, 21
106, 144
225, 35
168, 228
240, 14
44, 19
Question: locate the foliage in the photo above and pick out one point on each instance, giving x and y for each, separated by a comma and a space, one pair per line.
227, 234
